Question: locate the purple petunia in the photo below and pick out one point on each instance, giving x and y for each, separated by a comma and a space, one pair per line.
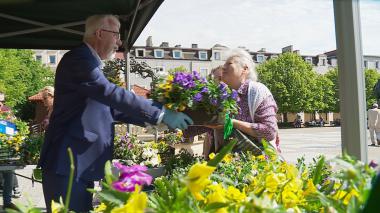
205, 90
224, 95
130, 176
198, 97
222, 86
196, 75
185, 80
234, 95
214, 101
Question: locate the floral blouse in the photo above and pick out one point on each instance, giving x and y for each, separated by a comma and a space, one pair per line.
265, 123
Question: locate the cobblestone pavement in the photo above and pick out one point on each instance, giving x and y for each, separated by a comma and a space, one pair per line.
308, 142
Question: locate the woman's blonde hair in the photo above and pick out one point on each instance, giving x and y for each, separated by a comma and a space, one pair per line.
243, 58
48, 90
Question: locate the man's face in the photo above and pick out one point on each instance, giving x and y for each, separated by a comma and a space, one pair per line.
109, 41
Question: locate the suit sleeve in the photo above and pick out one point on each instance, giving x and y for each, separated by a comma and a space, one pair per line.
90, 82
122, 117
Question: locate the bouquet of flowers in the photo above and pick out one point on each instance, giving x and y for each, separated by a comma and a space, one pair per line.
189, 91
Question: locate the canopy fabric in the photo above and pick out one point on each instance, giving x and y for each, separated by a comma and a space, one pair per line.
59, 24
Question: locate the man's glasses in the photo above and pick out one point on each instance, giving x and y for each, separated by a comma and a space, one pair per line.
115, 34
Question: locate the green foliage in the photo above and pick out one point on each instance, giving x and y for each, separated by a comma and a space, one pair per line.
20, 77
113, 69
333, 104
371, 77
291, 81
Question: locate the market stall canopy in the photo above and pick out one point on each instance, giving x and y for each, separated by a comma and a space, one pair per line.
59, 24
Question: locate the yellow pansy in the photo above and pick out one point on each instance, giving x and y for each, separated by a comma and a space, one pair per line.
170, 78
310, 188
136, 203
211, 155
261, 157
227, 158
169, 106
56, 207
235, 194
181, 107
179, 133
272, 182
217, 195
198, 179
101, 208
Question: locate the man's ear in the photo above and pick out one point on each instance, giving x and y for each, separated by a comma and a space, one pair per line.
98, 34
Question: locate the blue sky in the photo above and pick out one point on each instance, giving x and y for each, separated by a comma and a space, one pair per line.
272, 24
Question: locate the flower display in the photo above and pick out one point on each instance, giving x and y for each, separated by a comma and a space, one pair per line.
189, 91
130, 177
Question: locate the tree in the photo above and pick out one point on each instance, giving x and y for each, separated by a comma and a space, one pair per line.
20, 77
371, 77
333, 104
291, 81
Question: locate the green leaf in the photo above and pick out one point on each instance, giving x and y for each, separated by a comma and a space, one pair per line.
216, 205
223, 152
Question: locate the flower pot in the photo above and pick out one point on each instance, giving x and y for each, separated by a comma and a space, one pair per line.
156, 171
200, 117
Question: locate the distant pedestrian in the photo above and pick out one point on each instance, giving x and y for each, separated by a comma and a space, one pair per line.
373, 122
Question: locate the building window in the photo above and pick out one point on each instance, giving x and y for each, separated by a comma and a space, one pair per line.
140, 52
202, 55
260, 58
377, 65
177, 54
203, 72
309, 60
52, 59
366, 64
323, 62
217, 56
38, 57
158, 53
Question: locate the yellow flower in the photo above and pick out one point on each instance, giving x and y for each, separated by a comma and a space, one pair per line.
211, 155
227, 158
170, 78
56, 207
261, 157
181, 107
347, 197
169, 106
272, 182
101, 208
310, 188
136, 203
179, 133
217, 195
235, 195
198, 179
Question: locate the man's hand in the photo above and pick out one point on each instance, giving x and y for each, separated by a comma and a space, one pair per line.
176, 119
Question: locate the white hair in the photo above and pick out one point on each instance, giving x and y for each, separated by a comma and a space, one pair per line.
243, 58
95, 22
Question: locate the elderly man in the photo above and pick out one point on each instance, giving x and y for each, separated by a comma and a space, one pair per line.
85, 107
373, 122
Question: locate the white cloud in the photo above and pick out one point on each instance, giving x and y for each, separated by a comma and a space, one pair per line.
272, 24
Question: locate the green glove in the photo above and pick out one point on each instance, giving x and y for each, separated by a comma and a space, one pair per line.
228, 127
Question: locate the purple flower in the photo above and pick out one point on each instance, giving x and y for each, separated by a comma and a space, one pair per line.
372, 164
198, 97
130, 176
196, 75
224, 95
185, 80
222, 86
214, 101
205, 90
234, 95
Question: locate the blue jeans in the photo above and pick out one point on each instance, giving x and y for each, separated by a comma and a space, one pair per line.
7, 187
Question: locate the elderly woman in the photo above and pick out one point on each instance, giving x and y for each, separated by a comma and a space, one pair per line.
48, 99
257, 116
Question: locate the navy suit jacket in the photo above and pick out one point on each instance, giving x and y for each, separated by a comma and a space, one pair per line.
86, 105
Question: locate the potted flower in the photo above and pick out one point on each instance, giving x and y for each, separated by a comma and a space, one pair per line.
202, 99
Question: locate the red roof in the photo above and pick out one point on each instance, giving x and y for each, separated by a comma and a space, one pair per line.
36, 97
140, 91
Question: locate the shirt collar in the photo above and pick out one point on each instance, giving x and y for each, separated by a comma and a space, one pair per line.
95, 54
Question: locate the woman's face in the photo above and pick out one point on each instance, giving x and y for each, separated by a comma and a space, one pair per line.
233, 74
